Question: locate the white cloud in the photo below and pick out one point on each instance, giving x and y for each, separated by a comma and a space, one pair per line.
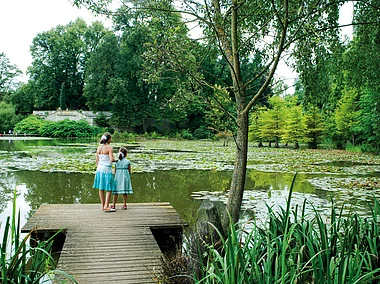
22, 20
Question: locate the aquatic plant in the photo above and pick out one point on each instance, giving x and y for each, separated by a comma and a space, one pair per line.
292, 247
21, 263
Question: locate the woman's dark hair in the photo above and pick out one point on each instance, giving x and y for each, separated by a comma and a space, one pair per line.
105, 137
122, 153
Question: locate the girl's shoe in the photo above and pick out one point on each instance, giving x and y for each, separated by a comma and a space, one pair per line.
112, 206
124, 207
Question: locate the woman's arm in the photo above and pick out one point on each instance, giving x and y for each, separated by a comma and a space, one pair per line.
97, 156
110, 154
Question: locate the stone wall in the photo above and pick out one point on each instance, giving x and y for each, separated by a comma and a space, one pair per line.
59, 115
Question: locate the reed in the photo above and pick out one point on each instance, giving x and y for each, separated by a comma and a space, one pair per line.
20, 263
295, 248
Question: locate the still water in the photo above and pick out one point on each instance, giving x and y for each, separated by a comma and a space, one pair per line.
62, 171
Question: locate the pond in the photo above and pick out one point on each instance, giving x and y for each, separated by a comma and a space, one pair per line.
185, 173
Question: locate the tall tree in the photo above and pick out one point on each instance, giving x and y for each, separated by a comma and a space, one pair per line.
59, 58
362, 65
8, 117
272, 121
242, 30
346, 115
8, 75
369, 120
296, 128
100, 69
316, 126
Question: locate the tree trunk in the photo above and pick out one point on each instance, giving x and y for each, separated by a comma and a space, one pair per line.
296, 145
276, 145
239, 174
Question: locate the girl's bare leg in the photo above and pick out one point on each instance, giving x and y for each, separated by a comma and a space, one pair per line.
125, 197
101, 197
115, 199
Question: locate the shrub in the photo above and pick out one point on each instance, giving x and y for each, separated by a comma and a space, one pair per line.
201, 133
67, 128
8, 116
123, 135
20, 263
30, 125
186, 134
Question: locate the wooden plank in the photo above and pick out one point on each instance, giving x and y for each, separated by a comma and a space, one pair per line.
101, 246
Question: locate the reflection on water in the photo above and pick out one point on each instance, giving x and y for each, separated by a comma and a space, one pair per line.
69, 188
184, 189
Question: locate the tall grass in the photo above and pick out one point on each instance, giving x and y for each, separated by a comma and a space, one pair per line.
295, 248
20, 263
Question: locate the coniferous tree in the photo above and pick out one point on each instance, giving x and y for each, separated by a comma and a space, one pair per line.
296, 127
316, 126
346, 116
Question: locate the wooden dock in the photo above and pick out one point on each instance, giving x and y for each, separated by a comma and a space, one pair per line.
123, 246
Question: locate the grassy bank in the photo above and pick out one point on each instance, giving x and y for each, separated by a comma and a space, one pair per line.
290, 247
19, 262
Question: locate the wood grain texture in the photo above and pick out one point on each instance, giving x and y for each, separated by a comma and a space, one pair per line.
115, 246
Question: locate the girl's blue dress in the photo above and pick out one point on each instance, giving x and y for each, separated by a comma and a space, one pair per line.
103, 177
123, 183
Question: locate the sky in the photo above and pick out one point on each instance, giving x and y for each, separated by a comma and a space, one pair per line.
22, 20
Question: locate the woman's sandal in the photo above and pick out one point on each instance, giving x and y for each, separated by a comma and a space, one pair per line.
124, 207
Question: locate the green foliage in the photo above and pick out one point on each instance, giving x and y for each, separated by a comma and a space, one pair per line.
186, 134
30, 125
297, 248
219, 107
273, 121
346, 115
8, 75
23, 100
296, 127
20, 263
369, 120
202, 133
100, 68
316, 126
122, 135
67, 128
59, 63
102, 121
8, 116
319, 55
153, 135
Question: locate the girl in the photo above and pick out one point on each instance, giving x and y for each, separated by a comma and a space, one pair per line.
104, 180
122, 178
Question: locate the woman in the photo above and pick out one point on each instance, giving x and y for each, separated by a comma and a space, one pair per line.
104, 180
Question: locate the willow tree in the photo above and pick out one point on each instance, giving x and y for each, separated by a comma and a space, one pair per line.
242, 30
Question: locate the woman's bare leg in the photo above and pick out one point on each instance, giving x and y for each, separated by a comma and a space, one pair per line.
107, 201
101, 197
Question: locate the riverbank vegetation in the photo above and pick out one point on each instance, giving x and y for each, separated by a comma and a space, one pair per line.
289, 246
20, 262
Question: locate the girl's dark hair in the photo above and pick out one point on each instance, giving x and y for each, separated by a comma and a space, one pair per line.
122, 153
105, 137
